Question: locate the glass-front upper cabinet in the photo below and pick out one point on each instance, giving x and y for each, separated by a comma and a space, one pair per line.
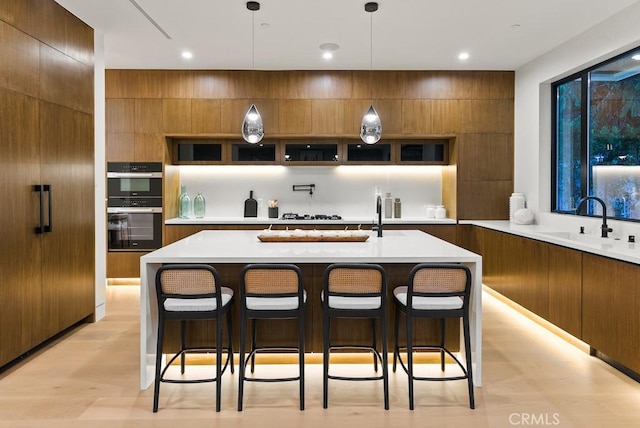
262, 153
303, 153
188, 151
433, 152
368, 153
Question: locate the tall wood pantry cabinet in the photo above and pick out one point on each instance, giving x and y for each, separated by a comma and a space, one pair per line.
46, 138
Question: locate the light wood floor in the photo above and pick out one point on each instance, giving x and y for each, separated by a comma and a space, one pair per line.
89, 378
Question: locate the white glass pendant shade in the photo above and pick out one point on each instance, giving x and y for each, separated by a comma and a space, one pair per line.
252, 127
371, 128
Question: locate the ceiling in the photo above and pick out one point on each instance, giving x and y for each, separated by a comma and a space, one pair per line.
401, 35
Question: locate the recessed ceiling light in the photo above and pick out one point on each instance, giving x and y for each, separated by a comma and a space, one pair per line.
636, 57
187, 55
328, 49
265, 25
515, 26
463, 56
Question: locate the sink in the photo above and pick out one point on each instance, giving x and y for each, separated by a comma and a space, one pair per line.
582, 238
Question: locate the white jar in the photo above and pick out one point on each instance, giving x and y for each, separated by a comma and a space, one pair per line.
516, 202
431, 211
441, 212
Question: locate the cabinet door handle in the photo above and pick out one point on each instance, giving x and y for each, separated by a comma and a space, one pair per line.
48, 227
39, 188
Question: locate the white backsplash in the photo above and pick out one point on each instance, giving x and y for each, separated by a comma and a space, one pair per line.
348, 191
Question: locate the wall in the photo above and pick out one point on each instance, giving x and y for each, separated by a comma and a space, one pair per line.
533, 99
143, 106
100, 171
344, 190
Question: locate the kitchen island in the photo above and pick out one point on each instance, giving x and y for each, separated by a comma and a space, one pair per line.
228, 251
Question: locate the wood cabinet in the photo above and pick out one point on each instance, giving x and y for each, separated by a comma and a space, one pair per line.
124, 264
66, 147
596, 299
610, 307
21, 249
518, 269
46, 137
544, 278
473, 110
565, 289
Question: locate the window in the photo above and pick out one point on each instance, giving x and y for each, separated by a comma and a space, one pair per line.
596, 117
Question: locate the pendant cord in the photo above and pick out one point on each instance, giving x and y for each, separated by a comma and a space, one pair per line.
253, 41
371, 57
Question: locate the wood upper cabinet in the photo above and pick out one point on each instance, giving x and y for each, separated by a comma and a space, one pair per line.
176, 115
327, 117
19, 60
610, 307
294, 117
485, 157
65, 81
120, 115
148, 115
205, 116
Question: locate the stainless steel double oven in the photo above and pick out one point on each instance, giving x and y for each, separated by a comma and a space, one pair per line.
134, 207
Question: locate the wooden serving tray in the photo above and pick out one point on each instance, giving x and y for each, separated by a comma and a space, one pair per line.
321, 238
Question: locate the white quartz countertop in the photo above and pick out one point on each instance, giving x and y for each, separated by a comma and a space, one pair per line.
277, 221
243, 246
591, 243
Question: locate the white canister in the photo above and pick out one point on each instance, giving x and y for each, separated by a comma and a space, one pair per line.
431, 211
441, 212
516, 202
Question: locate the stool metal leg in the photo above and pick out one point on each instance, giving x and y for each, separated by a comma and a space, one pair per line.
396, 329
467, 346
301, 357
325, 359
230, 337
374, 343
241, 364
183, 344
410, 359
253, 344
442, 334
156, 387
385, 363
219, 337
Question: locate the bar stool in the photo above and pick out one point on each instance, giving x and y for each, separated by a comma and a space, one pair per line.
270, 291
192, 292
435, 291
355, 291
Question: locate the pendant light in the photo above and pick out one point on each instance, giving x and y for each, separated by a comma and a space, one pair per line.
371, 128
252, 126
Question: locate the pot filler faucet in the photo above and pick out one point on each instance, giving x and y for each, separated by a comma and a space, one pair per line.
605, 229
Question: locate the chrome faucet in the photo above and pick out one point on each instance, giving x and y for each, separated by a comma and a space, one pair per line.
605, 229
379, 212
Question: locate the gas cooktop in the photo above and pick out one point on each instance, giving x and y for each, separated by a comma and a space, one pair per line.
295, 216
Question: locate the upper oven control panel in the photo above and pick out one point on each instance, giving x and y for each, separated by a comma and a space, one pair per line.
134, 167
